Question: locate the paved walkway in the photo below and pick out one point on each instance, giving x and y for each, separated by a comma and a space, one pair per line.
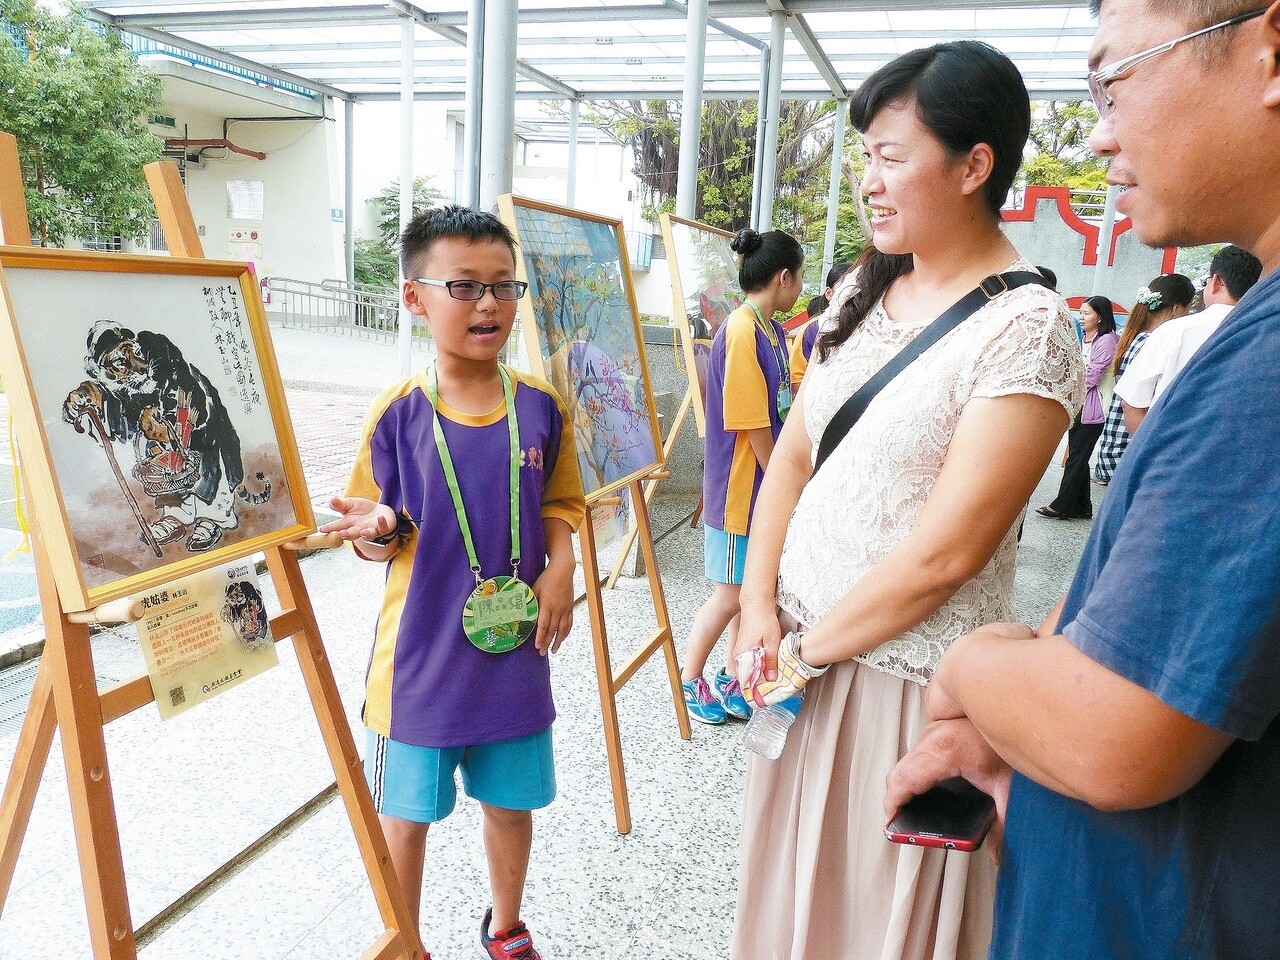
195, 791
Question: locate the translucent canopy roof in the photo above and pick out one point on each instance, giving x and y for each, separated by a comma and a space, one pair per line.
602, 49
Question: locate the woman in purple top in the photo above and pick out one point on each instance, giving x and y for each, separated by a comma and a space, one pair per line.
1099, 350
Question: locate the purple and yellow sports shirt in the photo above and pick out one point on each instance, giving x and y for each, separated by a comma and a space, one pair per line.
743, 376
426, 684
802, 342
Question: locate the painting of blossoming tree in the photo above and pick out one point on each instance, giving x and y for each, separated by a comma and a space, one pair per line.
582, 330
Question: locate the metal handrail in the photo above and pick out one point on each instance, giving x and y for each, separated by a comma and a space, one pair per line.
337, 307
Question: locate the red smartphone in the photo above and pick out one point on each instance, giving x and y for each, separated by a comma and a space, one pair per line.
953, 815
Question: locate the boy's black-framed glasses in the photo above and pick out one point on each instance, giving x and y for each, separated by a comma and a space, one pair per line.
474, 289
1100, 80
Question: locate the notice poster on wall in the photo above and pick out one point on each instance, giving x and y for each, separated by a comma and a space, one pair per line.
245, 199
204, 634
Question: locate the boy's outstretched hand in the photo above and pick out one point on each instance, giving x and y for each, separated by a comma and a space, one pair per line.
361, 519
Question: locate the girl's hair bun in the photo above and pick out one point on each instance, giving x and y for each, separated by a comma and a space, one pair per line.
746, 242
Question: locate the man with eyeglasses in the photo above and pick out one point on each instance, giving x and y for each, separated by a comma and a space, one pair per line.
1132, 741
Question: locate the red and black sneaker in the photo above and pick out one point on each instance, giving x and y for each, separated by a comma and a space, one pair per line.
515, 943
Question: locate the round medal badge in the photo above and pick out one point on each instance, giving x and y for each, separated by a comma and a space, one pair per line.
500, 614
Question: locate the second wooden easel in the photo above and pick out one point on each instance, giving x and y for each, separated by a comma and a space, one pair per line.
66, 697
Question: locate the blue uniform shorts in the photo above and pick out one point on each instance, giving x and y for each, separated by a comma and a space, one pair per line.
725, 557
417, 783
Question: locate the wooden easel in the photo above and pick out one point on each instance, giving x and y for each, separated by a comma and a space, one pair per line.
662, 639
611, 683
66, 695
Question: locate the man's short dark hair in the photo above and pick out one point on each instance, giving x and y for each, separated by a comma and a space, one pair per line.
441, 223
1239, 269
1050, 276
1196, 14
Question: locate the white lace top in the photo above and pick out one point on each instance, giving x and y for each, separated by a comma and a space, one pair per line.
867, 497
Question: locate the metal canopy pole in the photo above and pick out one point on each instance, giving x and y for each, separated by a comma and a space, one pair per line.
769, 175
1104, 239
571, 186
473, 118
497, 151
762, 107
406, 178
833, 192
695, 52
349, 189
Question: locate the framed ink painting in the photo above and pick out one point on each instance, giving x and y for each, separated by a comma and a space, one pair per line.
152, 421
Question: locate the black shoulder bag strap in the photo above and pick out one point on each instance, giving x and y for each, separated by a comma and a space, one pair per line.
848, 414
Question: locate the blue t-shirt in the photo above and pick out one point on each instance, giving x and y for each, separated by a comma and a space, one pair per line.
1179, 591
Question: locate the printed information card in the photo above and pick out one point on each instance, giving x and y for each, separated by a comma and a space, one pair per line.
204, 634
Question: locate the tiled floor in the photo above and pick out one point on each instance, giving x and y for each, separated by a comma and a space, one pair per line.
195, 791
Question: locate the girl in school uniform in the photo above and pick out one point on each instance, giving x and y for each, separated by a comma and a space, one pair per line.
748, 396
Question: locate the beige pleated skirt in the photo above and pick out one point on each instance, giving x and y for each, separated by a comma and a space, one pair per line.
818, 879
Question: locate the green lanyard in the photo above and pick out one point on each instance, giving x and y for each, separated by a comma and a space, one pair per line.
771, 335
780, 356
451, 476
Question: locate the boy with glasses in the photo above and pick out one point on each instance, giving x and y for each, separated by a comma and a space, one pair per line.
1133, 741
466, 482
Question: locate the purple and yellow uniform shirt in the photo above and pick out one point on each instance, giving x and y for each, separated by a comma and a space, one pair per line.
426, 684
744, 374
802, 348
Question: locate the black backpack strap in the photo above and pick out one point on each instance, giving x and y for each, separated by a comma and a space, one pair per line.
853, 408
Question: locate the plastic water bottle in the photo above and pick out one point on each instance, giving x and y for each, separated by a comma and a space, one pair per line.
767, 729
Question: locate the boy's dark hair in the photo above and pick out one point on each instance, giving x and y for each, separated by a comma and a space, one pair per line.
439, 223
1050, 276
1239, 269
762, 256
837, 271
817, 305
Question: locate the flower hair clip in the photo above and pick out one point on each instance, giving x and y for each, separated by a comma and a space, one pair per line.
1149, 298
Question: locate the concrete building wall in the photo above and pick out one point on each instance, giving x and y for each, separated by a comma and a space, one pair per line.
296, 235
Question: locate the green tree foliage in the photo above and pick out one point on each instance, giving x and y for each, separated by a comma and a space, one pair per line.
79, 105
387, 204
726, 165
1060, 141
377, 261
376, 264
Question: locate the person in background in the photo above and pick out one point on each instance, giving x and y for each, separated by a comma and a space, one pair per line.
1098, 320
803, 339
1164, 298
748, 397
1231, 274
1050, 276
904, 537
1142, 720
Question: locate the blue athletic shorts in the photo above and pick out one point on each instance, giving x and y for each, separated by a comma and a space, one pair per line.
725, 556
417, 783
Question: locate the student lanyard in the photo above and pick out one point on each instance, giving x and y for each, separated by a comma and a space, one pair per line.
780, 357
502, 611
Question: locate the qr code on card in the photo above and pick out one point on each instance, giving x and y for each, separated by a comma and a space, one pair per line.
177, 696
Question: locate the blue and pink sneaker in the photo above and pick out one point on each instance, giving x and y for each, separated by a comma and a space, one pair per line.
702, 703
730, 693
